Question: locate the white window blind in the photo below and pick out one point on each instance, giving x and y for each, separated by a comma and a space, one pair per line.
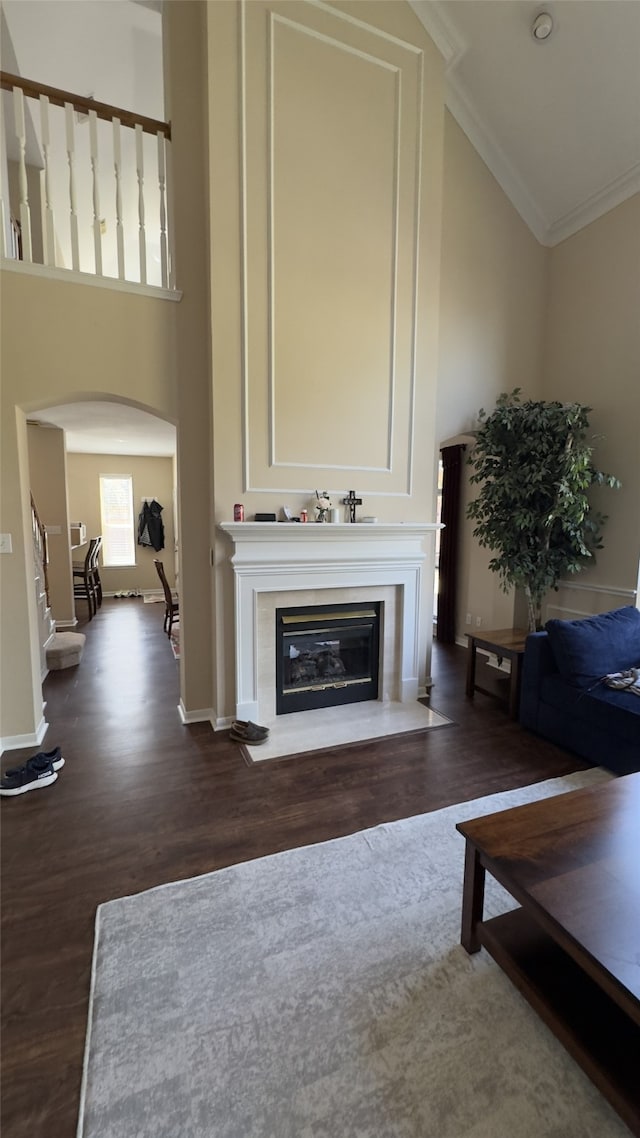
116, 508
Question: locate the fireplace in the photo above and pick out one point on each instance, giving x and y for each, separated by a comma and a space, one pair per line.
281, 564
326, 655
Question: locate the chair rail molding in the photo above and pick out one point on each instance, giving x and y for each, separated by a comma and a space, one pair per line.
613, 590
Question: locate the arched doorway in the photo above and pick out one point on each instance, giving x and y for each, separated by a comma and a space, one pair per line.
92, 463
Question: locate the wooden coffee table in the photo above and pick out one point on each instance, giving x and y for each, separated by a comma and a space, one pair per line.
572, 862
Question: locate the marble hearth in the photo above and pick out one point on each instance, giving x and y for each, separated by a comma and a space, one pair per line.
288, 564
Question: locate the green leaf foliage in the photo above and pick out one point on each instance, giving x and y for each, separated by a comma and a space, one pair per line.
533, 462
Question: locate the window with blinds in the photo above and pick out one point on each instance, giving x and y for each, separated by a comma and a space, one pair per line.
116, 508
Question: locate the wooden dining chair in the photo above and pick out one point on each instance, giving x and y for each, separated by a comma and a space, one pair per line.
172, 606
83, 583
95, 571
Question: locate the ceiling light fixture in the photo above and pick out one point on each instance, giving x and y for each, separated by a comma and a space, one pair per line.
542, 27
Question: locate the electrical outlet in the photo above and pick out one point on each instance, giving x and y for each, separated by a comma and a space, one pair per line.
6, 545
468, 618
478, 622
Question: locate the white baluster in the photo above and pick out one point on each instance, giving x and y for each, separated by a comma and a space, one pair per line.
48, 237
117, 166
162, 181
97, 235
73, 214
140, 173
171, 228
25, 212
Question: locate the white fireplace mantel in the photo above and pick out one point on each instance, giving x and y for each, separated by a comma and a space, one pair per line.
278, 557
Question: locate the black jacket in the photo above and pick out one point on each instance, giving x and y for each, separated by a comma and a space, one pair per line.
150, 526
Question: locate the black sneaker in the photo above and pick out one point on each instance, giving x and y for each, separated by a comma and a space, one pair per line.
41, 760
27, 778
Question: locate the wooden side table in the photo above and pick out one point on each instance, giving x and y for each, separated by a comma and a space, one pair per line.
505, 643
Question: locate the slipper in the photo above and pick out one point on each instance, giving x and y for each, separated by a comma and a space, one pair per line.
249, 731
247, 726
242, 737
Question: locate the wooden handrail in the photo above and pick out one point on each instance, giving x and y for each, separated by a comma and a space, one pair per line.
103, 110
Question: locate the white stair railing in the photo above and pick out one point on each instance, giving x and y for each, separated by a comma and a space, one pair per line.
91, 191
40, 548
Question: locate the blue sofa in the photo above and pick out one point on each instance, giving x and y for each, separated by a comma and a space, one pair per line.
563, 697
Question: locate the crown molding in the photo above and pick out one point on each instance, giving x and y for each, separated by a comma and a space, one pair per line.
459, 103
434, 17
548, 233
447, 39
595, 206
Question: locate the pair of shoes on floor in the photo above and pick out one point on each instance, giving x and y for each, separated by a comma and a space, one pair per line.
244, 731
38, 771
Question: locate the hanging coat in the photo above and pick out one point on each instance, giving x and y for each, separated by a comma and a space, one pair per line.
150, 526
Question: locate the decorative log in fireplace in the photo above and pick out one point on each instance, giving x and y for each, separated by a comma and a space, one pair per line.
326, 655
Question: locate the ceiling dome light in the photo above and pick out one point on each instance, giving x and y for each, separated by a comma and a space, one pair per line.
542, 26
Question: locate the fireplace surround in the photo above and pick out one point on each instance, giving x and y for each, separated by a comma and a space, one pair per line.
280, 564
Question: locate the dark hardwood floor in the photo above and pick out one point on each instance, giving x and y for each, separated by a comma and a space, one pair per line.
144, 800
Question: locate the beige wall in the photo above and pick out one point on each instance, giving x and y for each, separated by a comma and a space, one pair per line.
48, 484
297, 352
93, 342
61, 341
186, 102
492, 310
152, 478
593, 357
560, 323
232, 345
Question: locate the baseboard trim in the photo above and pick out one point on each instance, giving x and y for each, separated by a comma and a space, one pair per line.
30, 739
200, 715
65, 625
223, 723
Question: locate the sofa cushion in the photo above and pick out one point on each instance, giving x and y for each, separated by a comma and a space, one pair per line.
587, 649
615, 712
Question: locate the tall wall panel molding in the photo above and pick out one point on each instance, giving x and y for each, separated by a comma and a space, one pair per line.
331, 153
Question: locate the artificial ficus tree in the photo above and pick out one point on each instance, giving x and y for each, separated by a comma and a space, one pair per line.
533, 463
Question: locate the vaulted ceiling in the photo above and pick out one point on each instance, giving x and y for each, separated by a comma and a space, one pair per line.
557, 120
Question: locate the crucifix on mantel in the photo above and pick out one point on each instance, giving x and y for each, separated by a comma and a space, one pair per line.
351, 502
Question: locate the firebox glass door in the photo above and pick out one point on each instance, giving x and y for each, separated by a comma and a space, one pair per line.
326, 658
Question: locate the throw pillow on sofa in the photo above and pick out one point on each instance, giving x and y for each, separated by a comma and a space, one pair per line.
587, 649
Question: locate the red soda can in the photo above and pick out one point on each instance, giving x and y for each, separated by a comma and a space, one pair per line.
238, 512
303, 515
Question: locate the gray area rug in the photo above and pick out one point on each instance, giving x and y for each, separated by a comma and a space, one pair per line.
323, 993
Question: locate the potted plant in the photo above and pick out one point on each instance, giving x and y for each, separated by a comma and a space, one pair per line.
533, 462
